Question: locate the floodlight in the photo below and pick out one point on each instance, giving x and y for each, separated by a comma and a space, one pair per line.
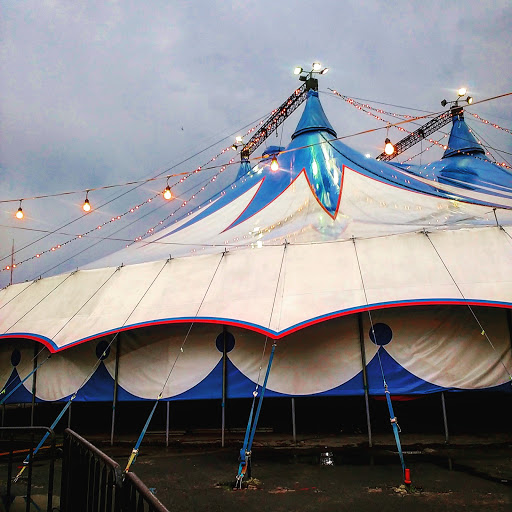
324, 71
462, 91
297, 70
317, 66
469, 99
443, 103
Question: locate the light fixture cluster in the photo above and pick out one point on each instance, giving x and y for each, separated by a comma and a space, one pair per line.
316, 67
455, 103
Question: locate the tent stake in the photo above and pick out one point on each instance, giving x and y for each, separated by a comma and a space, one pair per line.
365, 378
445, 419
294, 430
114, 399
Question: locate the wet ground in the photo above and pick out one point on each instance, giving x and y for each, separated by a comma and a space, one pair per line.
198, 475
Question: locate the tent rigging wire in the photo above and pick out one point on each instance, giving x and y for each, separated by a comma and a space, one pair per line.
126, 192
393, 420
91, 373
483, 331
99, 241
18, 294
259, 158
39, 302
246, 450
135, 450
86, 302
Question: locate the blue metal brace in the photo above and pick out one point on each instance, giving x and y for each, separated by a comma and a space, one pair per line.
396, 429
245, 452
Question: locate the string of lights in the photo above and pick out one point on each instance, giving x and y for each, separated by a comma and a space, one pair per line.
361, 106
135, 208
494, 125
183, 204
222, 168
432, 141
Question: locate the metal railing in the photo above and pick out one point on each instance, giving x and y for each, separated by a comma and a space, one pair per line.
93, 482
16, 443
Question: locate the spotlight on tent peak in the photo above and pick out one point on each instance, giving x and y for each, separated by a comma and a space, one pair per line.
462, 91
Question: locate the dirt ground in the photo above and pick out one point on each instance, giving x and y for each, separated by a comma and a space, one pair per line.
198, 475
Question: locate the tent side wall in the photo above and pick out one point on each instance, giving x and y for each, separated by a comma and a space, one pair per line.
423, 349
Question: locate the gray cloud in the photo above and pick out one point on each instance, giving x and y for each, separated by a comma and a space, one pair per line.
95, 93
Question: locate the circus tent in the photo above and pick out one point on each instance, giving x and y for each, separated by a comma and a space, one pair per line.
352, 267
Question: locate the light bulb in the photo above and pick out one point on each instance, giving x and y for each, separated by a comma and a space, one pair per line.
274, 165
86, 207
389, 149
167, 193
462, 91
19, 213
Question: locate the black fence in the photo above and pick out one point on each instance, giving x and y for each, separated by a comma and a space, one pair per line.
93, 482
16, 443
90, 480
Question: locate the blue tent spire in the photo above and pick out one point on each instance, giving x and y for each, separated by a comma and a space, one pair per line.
313, 118
461, 139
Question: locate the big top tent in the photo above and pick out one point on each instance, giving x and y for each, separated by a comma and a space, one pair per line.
351, 267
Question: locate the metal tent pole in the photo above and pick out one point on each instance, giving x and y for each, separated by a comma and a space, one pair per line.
224, 375
294, 430
69, 415
365, 378
445, 419
509, 322
167, 425
34, 379
114, 399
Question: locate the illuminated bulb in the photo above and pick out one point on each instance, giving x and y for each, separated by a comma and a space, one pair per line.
324, 71
238, 138
462, 91
389, 149
317, 66
469, 99
274, 166
297, 70
368, 155
86, 207
19, 213
167, 193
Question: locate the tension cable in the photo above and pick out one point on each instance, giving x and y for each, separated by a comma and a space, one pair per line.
135, 450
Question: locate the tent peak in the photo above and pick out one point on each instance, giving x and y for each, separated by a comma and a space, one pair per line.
313, 118
461, 139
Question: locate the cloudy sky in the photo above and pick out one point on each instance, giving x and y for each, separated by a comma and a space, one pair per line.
103, 92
